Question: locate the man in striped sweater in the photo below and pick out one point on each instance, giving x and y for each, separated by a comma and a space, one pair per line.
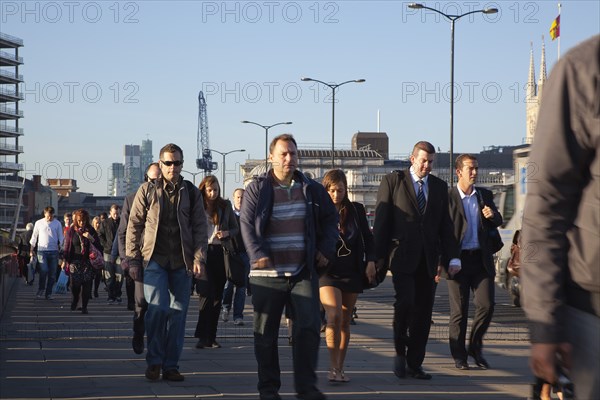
289, 227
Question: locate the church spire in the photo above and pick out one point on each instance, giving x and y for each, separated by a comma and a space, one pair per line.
530, 91
542, 70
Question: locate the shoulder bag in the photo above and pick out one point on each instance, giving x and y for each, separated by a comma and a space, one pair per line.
235, 270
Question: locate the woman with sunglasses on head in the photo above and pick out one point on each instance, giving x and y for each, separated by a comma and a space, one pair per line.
78, 240
222, 226
340, 286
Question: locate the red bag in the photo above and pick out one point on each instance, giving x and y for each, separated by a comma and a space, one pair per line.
96, 257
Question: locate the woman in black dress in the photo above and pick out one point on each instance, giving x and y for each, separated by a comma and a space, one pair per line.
355, 262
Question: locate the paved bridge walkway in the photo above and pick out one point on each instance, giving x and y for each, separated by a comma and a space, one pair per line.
50, 352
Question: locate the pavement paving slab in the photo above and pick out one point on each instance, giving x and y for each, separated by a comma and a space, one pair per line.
48, 351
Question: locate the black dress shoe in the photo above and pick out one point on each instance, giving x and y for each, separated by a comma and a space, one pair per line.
400, 366
461, 364
479, 360
418, 373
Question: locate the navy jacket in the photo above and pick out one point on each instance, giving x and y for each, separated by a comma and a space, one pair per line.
321, 219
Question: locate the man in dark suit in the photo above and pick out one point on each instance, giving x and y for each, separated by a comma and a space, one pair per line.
474, 214
411, 223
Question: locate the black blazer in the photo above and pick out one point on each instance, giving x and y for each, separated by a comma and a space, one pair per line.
457, 213
402, 234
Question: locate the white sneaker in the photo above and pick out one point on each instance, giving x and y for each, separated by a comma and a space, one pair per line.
40, 294
238, 322
225, 315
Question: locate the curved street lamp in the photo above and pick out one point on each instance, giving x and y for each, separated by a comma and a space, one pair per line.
266, 128
452, 18
224, 154
333, 87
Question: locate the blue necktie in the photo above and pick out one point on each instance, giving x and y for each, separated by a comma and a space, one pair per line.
421, 197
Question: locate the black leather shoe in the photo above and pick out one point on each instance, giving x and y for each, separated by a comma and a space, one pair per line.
153, 372
173, 375
400, 366
479, 360
418, 373
137, 344
461, 364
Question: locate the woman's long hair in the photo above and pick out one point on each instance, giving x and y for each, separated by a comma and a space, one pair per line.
219, 202
336, 177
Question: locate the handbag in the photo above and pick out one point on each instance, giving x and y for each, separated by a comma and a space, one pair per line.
235, 268
31, 270
380, 273
96, 257
61, 283
494, 241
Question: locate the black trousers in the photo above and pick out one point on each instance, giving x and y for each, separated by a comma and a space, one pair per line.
84, 289
210, 302
140, 304
412, 313
472, 277
130, 290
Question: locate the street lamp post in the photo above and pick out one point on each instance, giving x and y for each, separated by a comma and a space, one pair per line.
224, 154
452, 18
333, 87
266, 128
193, 174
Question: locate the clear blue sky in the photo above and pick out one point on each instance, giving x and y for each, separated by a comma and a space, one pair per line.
103, 74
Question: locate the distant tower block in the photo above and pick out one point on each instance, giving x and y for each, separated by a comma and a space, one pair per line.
377, 141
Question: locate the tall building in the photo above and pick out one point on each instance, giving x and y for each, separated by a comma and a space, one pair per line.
133, 167
116, 180
146, 155
533, 94
11, 187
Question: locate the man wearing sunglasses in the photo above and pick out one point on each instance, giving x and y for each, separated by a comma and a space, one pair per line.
169, 215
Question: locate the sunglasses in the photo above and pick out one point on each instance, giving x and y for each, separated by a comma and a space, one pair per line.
175, 163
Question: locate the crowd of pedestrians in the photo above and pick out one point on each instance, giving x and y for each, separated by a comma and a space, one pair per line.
306, 246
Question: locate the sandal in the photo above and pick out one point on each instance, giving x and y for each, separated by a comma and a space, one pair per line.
332, 375
342, 377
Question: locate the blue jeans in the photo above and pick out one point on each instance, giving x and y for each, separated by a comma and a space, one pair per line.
269, 297
239, 299
48, 263
168, 293
114, 278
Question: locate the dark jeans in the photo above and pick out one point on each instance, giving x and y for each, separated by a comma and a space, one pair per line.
472, 277
412, 314
48, 265
269, 297
114, 278
210, 302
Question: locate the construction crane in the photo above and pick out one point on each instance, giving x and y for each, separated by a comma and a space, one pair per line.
204, 161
